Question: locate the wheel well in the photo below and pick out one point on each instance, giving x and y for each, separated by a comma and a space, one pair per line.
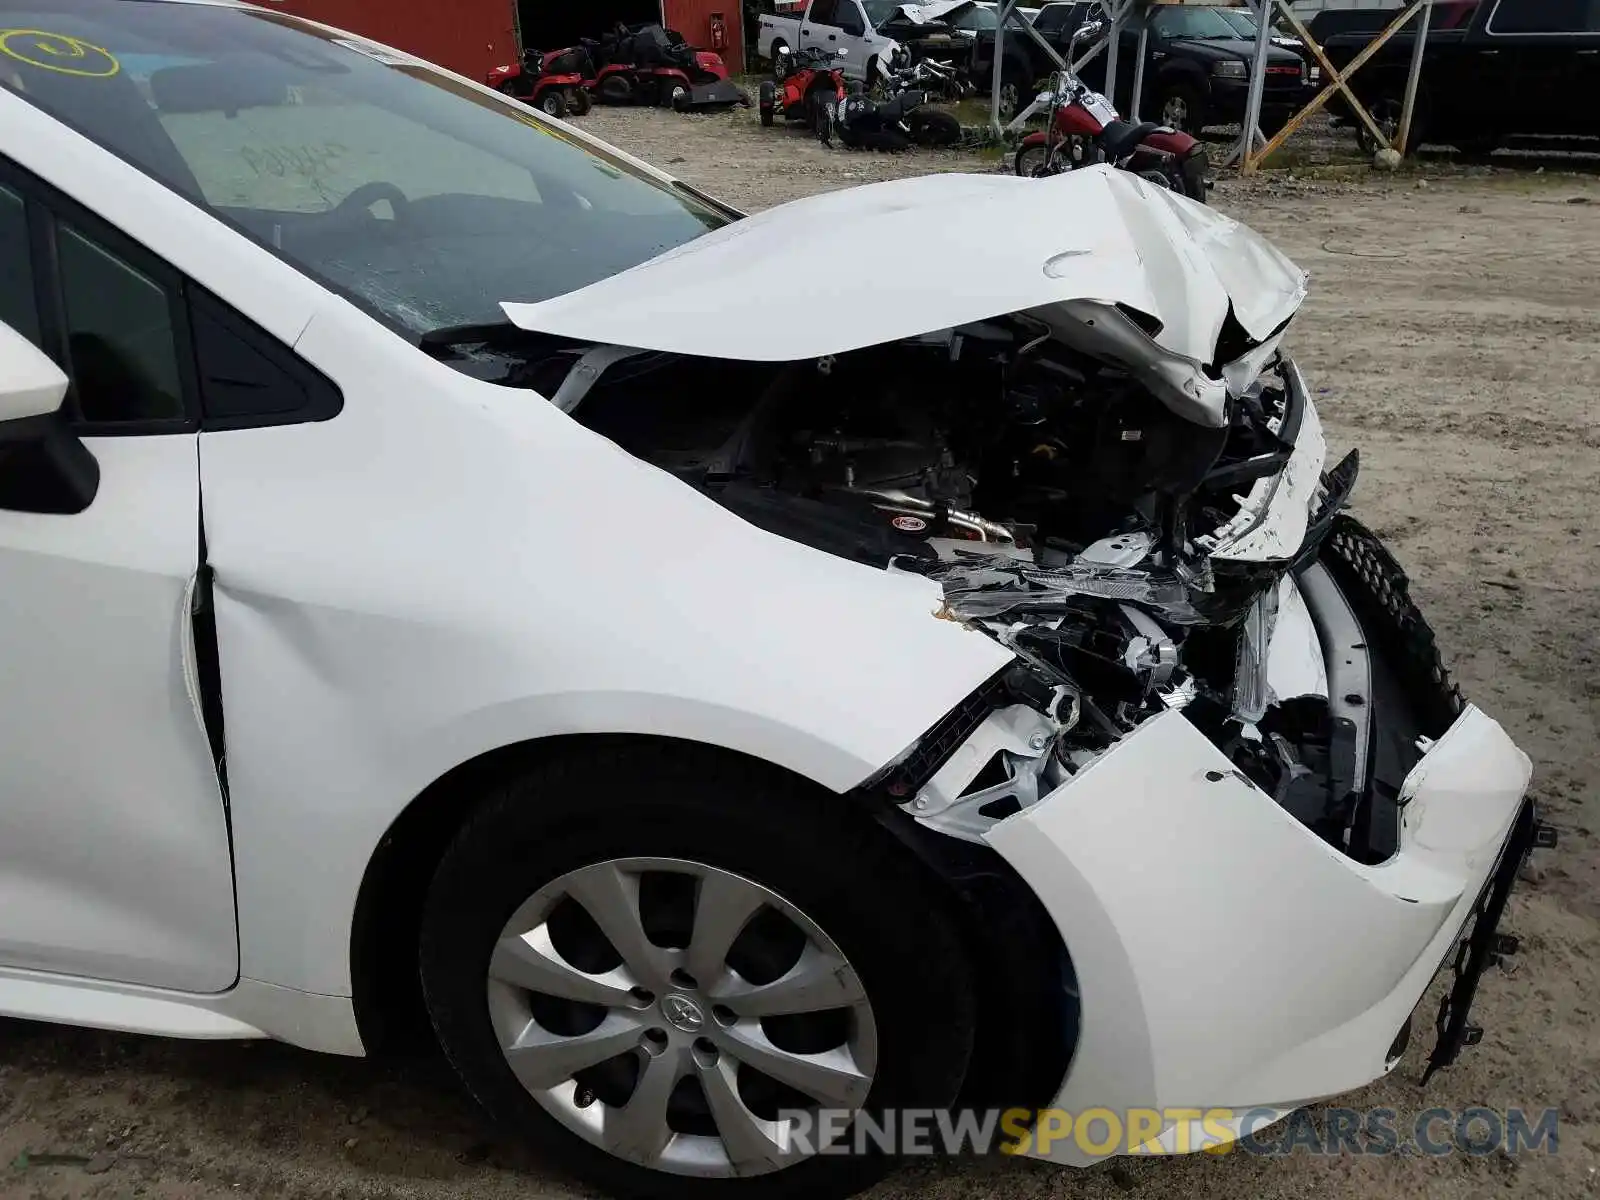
383, 942
1021, 963
387, 992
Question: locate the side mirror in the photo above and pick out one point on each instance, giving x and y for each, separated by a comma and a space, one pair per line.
30, 384
44, 467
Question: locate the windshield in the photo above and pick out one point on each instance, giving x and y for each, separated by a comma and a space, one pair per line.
1243, 23
1192, 23
420, 199
975, 17
879, 11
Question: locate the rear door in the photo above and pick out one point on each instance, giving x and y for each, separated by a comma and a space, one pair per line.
1548, 55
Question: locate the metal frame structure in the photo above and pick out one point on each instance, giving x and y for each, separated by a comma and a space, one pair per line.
1246, 153
1116, 15
1253, 146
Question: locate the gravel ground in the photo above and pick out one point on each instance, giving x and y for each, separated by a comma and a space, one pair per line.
1453, 333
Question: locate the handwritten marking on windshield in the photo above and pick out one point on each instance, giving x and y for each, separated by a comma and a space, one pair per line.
313, 163
58, 52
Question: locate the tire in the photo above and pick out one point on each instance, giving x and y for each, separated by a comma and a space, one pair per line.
848, 893
1181, 106
1029, 160
1386, 112
772, 50
1273, 121
669, 93
819, 116
768, 102
934, 127
1010, 100
553, 103
580, 102
616, 89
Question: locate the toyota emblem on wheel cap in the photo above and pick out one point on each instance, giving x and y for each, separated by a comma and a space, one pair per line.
683, 1013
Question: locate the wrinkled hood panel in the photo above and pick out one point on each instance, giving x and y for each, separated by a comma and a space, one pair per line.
858, 267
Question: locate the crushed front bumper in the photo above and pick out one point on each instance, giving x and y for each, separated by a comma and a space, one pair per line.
1226, 956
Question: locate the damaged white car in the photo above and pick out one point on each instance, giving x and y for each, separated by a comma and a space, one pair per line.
439, 579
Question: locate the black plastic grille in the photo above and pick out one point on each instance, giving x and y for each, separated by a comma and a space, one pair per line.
940, 742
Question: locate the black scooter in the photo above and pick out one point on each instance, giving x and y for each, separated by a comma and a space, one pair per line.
891, 125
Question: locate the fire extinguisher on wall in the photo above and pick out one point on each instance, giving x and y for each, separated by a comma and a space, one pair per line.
719, 32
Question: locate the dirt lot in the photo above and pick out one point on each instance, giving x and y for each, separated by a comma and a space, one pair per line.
1454, 334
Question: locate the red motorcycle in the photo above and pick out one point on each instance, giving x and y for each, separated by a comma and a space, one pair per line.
1084, 128
555, 83
807, 87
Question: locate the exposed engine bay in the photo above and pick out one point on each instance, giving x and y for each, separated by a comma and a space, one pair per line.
1064, 508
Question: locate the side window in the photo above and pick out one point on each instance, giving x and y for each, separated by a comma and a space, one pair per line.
1546, 16
145, 350
121, 338
1052, 18
247, 377
823, 12
18, 306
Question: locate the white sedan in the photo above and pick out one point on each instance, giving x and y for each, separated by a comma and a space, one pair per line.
448, 565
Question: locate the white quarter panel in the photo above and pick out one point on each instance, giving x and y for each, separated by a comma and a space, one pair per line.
448, 567
113, 842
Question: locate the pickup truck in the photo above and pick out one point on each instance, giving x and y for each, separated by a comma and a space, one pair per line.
848, 25
1491, 70
1197, 72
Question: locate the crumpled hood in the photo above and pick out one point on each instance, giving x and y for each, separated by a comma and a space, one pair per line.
868, 265
921, 14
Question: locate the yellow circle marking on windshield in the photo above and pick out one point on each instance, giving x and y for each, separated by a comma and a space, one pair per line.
58, 52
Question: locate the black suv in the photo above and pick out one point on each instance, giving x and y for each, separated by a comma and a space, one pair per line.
1491, 71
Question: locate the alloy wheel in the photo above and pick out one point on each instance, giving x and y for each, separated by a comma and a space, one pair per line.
1008, 101
1386, 115
1175, 113
671, 1013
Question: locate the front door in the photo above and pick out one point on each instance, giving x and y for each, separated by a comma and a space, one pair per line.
114, 845
819, 28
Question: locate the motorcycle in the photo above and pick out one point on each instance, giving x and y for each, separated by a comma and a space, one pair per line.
648, 64
893, 122
802, 87
556, 83
939, 79
1084, 128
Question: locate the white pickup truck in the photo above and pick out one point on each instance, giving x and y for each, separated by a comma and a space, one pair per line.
833, 25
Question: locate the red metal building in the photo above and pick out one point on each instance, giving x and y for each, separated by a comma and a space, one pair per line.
472, 37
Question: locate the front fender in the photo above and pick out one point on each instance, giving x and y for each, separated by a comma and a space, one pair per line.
451, 567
